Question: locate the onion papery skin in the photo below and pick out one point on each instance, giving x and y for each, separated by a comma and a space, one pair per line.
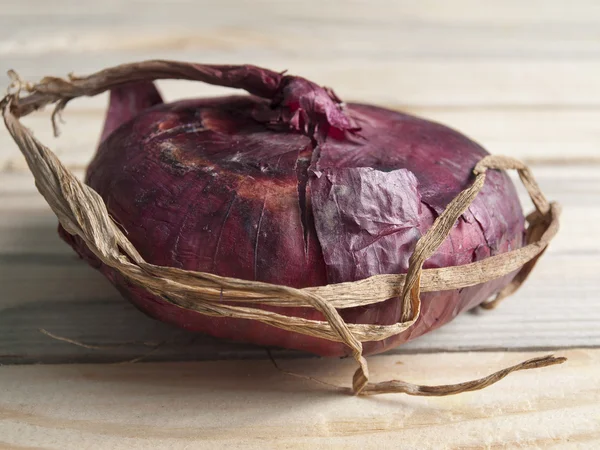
212, 185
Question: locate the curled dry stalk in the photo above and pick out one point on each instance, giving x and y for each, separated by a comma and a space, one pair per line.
82, 212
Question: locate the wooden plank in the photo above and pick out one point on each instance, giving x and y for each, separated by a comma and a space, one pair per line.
430, 28
572, 138
44, 286
346, 38
249, 404
410, 81
75, 302
508, 12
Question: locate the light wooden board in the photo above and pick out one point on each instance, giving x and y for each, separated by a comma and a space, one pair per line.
463, 28
250, 404
410, 82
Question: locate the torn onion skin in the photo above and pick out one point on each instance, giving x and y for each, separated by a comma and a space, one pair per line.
295, 189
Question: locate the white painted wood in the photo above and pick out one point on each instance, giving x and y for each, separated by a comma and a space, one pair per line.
249, 404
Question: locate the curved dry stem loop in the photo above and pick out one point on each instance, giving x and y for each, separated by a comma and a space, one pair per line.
82, 212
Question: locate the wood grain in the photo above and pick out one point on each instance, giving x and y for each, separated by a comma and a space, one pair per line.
400, 28
250, 404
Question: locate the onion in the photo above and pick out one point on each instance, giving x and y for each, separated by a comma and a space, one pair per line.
290, 186
286, 217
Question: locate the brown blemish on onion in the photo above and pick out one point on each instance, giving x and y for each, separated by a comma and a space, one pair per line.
281, 190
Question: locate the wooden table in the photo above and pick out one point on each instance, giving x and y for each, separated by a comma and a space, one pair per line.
523, 78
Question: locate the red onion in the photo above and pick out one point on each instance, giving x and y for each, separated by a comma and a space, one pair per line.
290, 186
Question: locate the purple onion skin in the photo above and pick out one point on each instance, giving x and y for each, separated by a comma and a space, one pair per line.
203, 185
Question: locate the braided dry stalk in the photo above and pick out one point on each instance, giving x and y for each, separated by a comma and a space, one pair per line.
82, 212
